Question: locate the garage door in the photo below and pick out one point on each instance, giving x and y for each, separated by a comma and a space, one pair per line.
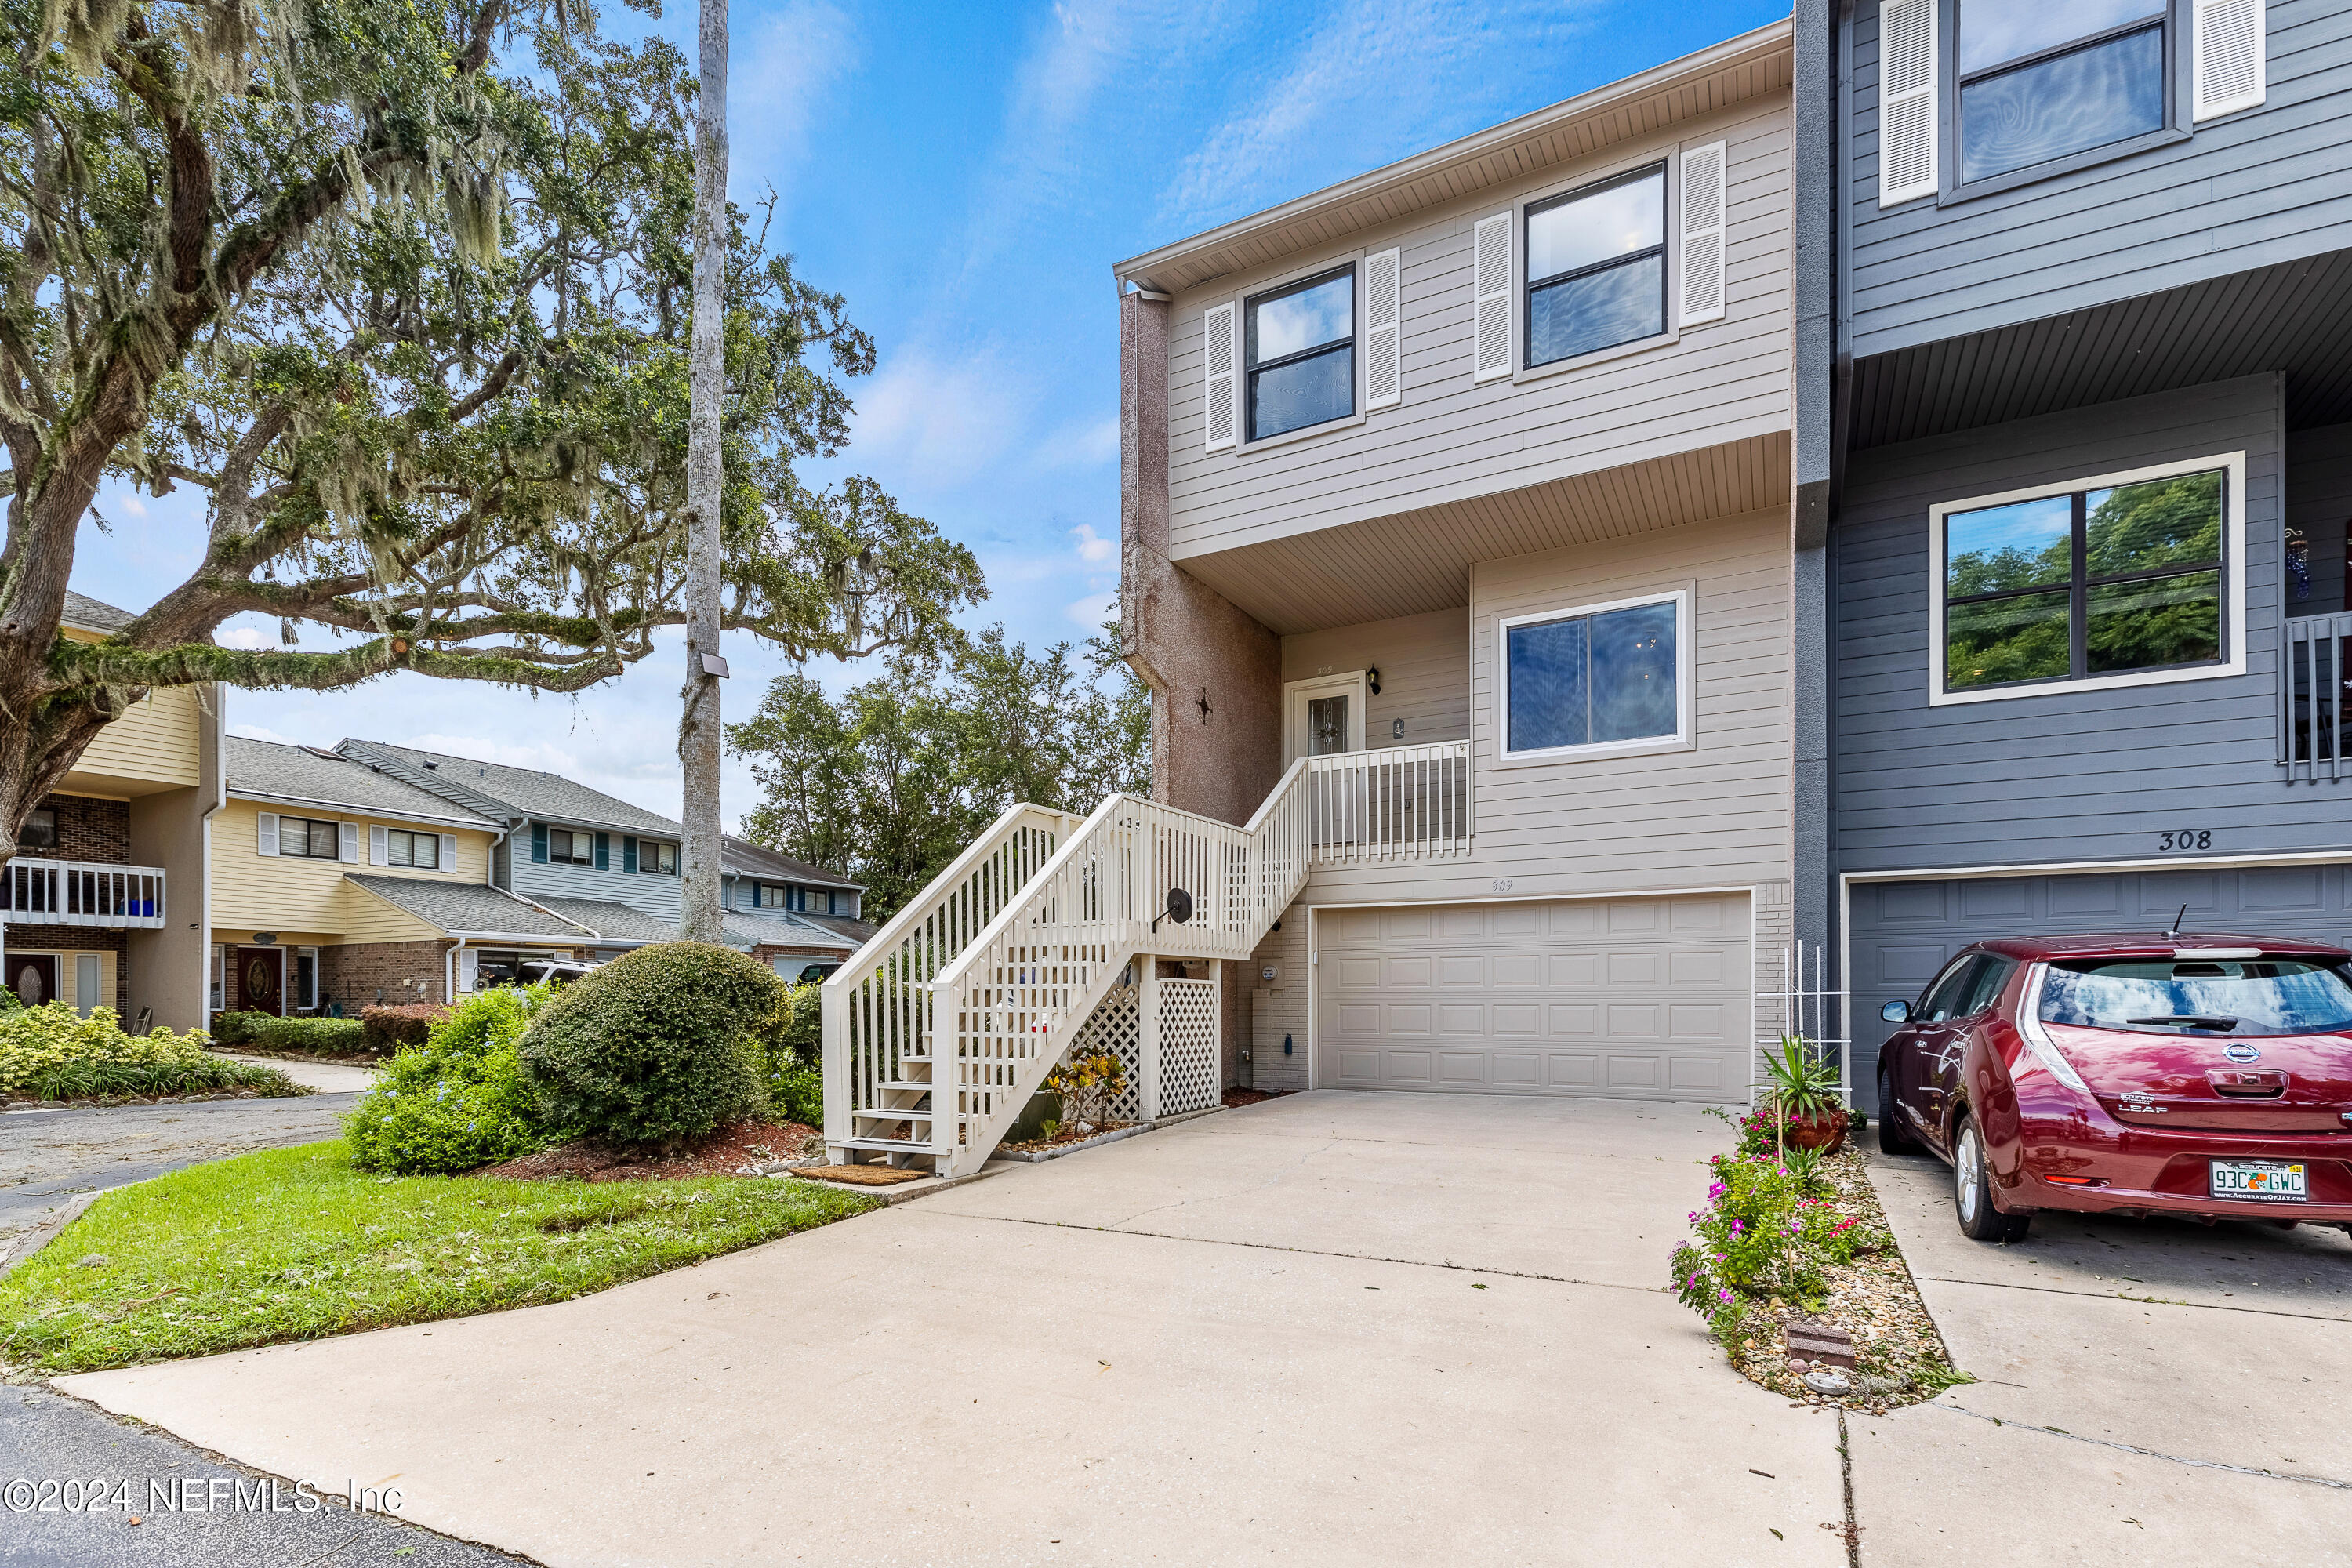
1631, 998
1904, 932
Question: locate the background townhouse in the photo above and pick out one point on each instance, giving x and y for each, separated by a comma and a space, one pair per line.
1468, 480
336, 885
2092, 434
105, 905
612, 868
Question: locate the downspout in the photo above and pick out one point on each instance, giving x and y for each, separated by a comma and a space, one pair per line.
204, 873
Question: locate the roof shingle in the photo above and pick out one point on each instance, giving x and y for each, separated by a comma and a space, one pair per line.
469, 909
299, 773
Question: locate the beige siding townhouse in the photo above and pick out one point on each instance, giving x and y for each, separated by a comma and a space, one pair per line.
105, 907
1472, 475
336, 886
1456, 530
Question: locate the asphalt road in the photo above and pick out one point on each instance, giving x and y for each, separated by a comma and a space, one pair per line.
46, 1436
47, 1157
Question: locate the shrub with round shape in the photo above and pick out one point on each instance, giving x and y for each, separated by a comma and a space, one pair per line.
658, 1046
459, 1101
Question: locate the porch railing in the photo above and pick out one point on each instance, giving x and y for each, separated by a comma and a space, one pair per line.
1398, 803
81, 893
2310, 686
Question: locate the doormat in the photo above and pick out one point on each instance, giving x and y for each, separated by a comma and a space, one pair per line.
861, 1175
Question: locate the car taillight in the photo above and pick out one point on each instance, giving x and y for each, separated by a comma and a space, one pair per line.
2037, 1038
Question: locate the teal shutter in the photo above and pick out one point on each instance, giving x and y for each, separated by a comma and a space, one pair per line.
629, 853
755, 895
603, 851
539, 843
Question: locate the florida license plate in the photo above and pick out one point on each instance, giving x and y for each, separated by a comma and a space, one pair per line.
2260, 1181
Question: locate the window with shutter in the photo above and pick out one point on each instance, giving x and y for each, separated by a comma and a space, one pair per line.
1383, 329
1217, 376
1906, 100
349, 848
448, 852
1491, 283
1703, 225
629, 853
379, 850
538, 842
2228, 66
603, 851
267, 839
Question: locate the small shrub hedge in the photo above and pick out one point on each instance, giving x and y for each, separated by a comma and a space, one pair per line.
326, 1037
51, 1052
388, 1027
660, 1045
459, 1100
793, 1076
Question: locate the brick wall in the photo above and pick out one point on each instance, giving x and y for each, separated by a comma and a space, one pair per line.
90, 829
25, 938
354, 973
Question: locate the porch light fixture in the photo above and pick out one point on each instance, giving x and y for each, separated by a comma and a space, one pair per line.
1373, 679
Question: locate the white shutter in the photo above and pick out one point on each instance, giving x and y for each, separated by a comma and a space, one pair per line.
448, 852
469, 963
379, 850
1383, 326
268, 839
2227, 62
1217, 376
348, 844
1906, 100
1702, 259
1491, 280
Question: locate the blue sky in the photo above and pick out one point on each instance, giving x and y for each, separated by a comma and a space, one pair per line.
967, 175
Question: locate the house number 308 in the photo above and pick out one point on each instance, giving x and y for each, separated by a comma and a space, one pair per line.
2186, 839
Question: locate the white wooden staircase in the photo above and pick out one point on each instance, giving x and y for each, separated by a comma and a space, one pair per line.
941, 1029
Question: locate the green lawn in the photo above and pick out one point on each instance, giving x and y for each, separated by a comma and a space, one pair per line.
293, 1244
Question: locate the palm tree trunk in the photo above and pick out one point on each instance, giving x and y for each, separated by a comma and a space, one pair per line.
698, 731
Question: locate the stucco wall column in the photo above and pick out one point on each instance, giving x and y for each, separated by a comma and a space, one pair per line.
1215, 673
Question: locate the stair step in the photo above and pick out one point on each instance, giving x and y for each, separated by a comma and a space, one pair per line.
899, 1113
912, 1086
885, 1145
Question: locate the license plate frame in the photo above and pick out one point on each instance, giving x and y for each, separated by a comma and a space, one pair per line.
2259, 1181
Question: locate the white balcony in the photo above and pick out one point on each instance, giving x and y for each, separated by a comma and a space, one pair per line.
81, 893
1392, 805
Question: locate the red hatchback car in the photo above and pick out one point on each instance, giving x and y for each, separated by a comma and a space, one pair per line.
2203, 1076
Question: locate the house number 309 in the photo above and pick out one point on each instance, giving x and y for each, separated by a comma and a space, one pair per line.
1502, 884
2186, 839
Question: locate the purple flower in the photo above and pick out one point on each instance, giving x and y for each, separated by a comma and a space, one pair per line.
1723, 1295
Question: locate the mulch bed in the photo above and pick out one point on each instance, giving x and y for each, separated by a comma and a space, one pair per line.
1899, 1357
744, 1149
1234, 1096
1067, 1136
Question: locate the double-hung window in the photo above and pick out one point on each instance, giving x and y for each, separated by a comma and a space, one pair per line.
1597, 679
308, 838
1299, 349
656, 859
2042, 81
1596, 268
565, 847
2113, 584
402, 848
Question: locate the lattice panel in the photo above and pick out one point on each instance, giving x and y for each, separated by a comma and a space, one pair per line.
1188, 1047
1112, 1027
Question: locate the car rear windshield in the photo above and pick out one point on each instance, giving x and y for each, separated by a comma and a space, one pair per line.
2271, 995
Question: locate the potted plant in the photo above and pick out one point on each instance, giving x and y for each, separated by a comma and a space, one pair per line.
1802, 1093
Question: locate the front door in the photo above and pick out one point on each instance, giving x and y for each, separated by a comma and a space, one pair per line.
1325, 717
33, 976
261, 979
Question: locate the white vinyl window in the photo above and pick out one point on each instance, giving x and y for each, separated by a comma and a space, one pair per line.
1596, 268
1298, 355
1593, 681
215, 998
404, 847
86, 981
2125, 579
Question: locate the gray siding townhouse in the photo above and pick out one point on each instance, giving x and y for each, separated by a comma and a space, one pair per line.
2089, 440
612, 868
1468, 481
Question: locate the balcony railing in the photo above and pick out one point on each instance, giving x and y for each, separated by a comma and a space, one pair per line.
2311, 669
81, 893
1400, 803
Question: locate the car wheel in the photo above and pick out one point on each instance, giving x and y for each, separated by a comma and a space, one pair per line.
1972, 1191
1892, 1138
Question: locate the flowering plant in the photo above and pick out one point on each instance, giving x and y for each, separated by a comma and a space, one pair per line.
1760, 1232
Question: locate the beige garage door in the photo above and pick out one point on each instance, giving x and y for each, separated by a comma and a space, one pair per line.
1635, 998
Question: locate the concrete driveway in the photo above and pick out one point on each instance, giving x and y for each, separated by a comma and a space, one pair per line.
2136, 1382
1335, 1328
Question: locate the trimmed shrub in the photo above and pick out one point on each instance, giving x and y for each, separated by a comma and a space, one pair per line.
236, 1028
458, 1101
387, 1028
327, 1037
51, 1052
660, 1045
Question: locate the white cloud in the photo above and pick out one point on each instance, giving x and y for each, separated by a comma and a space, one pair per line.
1093, 610
1092, 546
778, 77
251, 638
941, 421
131, 505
